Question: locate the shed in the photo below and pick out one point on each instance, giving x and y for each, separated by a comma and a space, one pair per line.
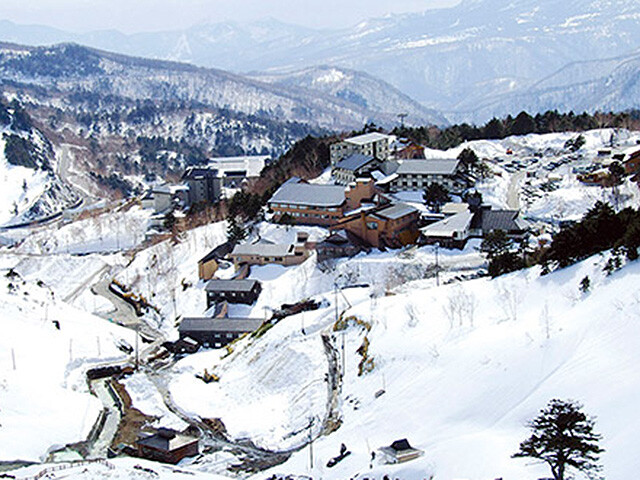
400, 451
167, 445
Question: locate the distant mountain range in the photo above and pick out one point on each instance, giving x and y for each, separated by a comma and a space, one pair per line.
472, 61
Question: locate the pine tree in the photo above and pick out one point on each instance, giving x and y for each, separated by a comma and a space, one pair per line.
235, 230
435, 195
585, 284
563, 437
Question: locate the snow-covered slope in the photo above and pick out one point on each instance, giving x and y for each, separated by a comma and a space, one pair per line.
462, 367
44, 398
30, 188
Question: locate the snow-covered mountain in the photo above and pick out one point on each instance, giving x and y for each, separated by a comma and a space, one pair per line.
607, 85
68, 68
354, 86
449, 59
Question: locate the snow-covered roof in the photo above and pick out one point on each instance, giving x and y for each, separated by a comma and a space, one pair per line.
396, 211
451, 208
443, 166
167, 440
447, 227
309, 194
489, 220
354, 162
251, 164
368, 138
263, 250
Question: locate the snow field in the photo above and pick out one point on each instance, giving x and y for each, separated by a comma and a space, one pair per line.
43, 389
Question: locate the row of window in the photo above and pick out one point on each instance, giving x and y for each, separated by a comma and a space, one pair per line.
304, 207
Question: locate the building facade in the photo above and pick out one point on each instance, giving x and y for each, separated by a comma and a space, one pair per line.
217, 332
374, 144
417, 175
232, 291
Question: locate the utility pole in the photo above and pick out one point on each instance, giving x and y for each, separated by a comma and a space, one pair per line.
310, 444
402, 116
137, 356
13, 358
437, 266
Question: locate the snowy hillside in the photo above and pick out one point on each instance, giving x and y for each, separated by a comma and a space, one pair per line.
72, 68
31, 190
44, 397
463, 366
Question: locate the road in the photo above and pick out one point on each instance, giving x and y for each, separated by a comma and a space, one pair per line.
513, 193
75, 180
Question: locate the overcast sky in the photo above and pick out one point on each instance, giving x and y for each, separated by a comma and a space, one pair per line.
150, 15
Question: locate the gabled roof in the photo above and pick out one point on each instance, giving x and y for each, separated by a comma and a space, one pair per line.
488, 220
443, 166
220, 251
206, 324
355, 162
367, 138
263, 250
309, 194
217, 285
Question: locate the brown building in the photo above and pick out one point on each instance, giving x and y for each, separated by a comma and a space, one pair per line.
263, 253
232, 291
208, 265
632, 163
308, 204
392, 226
217, 332
167, 446
324, 205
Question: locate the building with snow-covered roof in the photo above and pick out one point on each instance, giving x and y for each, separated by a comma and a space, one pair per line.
350, 168
234, 170
373, 144
263, 253
486, 220
308, 204
168, 446
415, 175
450, 232
391, 225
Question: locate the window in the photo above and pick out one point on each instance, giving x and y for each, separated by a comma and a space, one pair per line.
372, 226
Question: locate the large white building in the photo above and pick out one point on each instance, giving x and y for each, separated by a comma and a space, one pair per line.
417, 175
374, 144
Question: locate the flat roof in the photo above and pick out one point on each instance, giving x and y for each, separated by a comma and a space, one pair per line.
206, 324
166, 442
368, 138
230, 285
263, 249
395, 211
447, 227
309, 194
252, 165
442, 166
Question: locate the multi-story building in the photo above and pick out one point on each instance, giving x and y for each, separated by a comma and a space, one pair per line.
352, 167
391, 225
371, 144
204, 185
417, 175
308, 204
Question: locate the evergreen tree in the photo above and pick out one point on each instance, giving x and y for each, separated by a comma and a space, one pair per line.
523, 124
235, 230
435, 195
562, 436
